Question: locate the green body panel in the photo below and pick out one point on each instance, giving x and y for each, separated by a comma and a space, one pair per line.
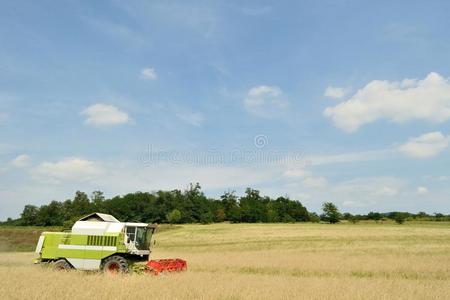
67, 245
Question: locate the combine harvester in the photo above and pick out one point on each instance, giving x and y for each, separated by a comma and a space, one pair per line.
101, 242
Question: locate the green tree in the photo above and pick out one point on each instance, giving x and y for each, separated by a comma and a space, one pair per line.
81, 205
272, 215
331, 213
253, 206
285, 206
231, 207
287, 219
206, 218
50, 215
399, 217
67, 224
174, 216
422, 215
219, 215
314, 217
376, 216
29, 215
347, 216
97, 199
194, 201
438, 217
192, 204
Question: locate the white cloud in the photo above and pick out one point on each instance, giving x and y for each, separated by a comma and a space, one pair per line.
105, 115
335, 92
386, 191
296, 173
265, 101
350, 157
372, 187
302, 196
119, 177
192, 118
357, 195
118, 32
124, 177
437, 178
21, 161
410, 99
200, 19
77, 169
306, 178
314, 182
149, 73
421, 190
426, 145
351, 203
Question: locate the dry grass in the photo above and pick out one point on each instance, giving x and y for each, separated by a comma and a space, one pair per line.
264, 261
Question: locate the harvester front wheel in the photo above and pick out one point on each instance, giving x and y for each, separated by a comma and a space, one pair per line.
61, 265
115, 264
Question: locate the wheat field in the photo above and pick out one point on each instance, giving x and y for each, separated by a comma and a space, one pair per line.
263, 261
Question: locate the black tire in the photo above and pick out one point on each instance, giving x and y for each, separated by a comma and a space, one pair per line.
61, 265
114, 264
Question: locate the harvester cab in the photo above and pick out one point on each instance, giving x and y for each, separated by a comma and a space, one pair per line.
138, 237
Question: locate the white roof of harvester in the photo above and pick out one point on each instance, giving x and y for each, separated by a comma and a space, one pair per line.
101, 224
99, 217
97, 228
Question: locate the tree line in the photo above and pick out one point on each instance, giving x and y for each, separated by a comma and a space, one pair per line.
192, 206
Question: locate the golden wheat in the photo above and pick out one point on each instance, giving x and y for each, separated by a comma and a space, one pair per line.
263, 261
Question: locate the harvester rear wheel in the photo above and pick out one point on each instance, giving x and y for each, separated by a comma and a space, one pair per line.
61, 265
115, 264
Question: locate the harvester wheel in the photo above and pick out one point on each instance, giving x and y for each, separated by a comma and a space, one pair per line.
61, 265
115, 264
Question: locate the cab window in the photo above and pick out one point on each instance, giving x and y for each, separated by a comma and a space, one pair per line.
131, 233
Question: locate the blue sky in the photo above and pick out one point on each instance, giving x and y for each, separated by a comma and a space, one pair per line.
343, 101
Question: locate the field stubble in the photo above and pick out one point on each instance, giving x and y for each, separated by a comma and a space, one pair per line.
264, 261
